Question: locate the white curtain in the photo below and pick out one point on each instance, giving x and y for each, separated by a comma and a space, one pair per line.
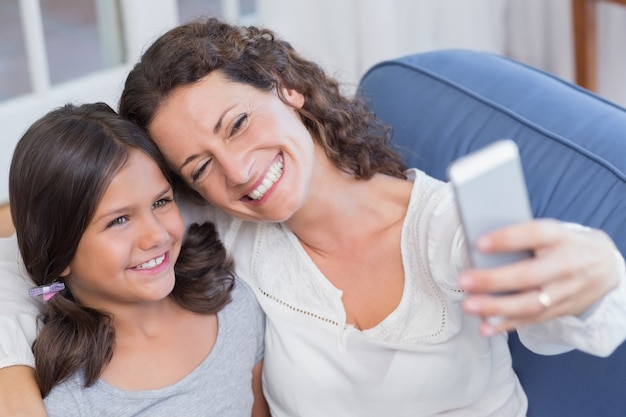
348, 36
540, 34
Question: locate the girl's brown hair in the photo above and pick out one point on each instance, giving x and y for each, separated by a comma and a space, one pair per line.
60, 169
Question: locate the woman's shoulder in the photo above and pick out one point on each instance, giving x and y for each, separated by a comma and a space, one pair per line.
18, 311
423, 181
431, 199
435, 231
11, 265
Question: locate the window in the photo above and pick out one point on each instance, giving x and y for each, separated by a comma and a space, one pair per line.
58, 51
13, 80
67, 39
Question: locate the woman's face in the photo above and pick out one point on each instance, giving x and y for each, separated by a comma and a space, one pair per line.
127, 253
243, 149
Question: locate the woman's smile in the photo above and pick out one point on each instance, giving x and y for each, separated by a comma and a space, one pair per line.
272, 175
261, 170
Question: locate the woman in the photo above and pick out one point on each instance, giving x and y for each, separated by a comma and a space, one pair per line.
358, 263
354, 259
133, 323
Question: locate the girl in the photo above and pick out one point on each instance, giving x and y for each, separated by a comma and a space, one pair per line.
134, 323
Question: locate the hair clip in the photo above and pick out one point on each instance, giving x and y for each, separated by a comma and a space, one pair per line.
48, 291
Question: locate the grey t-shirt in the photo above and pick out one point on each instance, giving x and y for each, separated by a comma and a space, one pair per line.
219, 386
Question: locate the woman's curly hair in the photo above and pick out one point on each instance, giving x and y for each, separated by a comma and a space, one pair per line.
353, 138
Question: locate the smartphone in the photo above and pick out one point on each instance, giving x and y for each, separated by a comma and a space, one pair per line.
490, 193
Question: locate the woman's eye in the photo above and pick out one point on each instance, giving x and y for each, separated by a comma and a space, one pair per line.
117, 222
161, 202
201, 169
239, 123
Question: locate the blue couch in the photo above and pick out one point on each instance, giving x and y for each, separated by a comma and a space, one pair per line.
444, 104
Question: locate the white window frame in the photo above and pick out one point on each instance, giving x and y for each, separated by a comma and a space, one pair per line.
141, 21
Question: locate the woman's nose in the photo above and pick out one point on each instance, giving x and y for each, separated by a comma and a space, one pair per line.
237, 169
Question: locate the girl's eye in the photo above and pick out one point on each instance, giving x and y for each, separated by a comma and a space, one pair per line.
241, 120
117, 222
161, 202
201, 169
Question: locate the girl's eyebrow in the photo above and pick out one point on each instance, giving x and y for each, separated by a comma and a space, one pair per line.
114, 212
163, 192
126, 209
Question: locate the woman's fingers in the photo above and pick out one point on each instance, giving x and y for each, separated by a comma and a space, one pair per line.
572, 268
517, 309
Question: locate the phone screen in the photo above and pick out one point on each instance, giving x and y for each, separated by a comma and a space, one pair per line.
490, 193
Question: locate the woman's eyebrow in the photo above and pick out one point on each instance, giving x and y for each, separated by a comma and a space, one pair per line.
218, 125
187, 161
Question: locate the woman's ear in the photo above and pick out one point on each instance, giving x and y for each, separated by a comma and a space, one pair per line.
65, 272
293, 97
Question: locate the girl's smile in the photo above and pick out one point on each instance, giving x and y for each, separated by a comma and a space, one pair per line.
152, 264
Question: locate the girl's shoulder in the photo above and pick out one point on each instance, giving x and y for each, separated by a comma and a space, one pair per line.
243, 298
245, 318
65, 399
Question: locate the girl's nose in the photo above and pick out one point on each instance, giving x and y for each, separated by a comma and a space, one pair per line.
153, 233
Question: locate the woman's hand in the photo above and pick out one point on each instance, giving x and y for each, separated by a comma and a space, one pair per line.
573, 268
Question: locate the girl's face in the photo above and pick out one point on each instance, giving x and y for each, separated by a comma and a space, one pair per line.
127, 252
243, 149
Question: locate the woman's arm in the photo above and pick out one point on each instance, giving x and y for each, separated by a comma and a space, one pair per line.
6, 225
260, 407
19, 394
